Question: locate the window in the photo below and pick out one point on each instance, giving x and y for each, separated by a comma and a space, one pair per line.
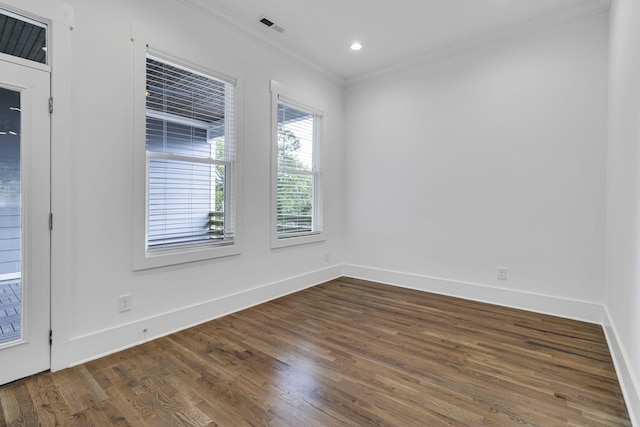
297, 177
23, 37
190, 159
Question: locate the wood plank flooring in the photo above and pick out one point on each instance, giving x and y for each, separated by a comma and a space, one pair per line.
345, 353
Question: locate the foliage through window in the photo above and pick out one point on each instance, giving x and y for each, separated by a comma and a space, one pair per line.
190, 158
298, 172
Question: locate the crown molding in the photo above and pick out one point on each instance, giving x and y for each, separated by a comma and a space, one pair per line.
559, 17
564, 16
227, 19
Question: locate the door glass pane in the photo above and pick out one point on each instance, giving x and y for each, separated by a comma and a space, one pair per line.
10, 217
23, 37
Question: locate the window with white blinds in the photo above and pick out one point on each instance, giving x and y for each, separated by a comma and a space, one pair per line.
298, 201
190, 158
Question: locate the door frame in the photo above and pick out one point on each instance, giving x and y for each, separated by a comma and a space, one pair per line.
30, 352
60, 18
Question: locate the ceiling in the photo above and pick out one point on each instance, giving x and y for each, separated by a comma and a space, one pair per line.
392, 33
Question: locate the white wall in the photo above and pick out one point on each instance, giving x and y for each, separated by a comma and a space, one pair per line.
623, 198
99, 170
495, 157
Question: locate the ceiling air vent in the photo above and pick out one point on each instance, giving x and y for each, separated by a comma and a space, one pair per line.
269, 23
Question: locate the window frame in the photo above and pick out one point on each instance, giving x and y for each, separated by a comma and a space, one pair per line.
282, 95
32, 20
144, 257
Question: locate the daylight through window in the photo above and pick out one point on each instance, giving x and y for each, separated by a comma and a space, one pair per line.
190, 158
298, 172
23, 37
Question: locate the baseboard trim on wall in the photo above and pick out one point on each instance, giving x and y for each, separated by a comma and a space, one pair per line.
562, 307
568, 308
102, 343
626, 375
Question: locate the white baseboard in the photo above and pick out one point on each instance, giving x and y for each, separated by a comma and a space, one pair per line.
626, 375
102, 343
571, 309
562, 307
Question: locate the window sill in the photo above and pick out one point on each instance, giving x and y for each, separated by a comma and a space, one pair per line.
284, 242
183, 256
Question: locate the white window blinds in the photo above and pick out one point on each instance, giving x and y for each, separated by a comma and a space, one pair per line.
298, 172
190, 158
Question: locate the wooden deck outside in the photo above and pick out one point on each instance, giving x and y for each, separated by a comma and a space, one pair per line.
10, 310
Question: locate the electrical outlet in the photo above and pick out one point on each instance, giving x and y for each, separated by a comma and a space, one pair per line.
124, 303
502, 273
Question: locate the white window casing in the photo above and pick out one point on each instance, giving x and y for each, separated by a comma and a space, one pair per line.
297, 196
186, 156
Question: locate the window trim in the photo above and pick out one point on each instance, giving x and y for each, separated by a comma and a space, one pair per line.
142, 257
20, 14
281, 94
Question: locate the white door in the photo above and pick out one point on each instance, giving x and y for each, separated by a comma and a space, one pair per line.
24, 220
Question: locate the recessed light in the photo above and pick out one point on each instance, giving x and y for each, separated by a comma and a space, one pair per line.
356, 46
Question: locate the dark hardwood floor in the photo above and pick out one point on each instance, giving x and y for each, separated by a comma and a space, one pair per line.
345, 353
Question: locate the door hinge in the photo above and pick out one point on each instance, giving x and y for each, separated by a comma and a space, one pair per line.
50, 337
50, 221
51, 105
